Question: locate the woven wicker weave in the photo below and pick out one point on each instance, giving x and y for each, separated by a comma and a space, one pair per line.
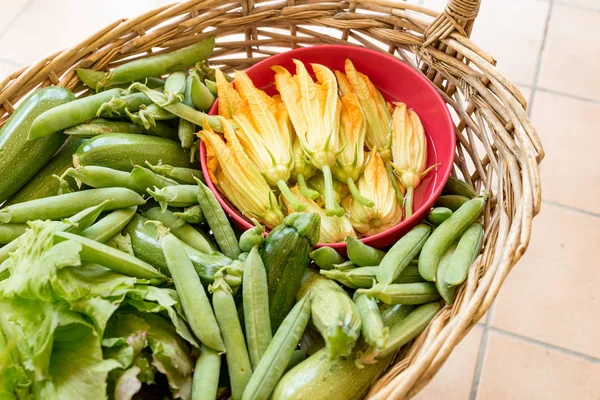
498, 149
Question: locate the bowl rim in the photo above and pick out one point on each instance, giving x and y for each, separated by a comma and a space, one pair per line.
443, 170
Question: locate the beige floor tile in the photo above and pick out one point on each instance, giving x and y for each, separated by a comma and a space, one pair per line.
551, 295
591, 4
10, 9
46, 26
516, 48
572, 56
454, 380
514, 369
569, 131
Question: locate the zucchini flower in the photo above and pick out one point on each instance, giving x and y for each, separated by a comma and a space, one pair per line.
333, 229
263, 130
374, 184
409, 150
302, 171
239, 180
351, 160
314, 109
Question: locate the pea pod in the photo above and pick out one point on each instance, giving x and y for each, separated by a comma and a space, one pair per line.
66, 205
445, 234
186, 131
403, 293
176, 83
147, 116
446, 291
206, 375
182, 175
466, 252
278, 354
437, 215
69, 114
345, 266
191, 215
194, 300
98, 253
102, 177
110, 225
218, 222
212, 86
451, 201
361, 254
91, 78
116, 106
458, 187
325, 257
252, 237
10, 232
402, 253
101, 126
180, 229
256, 307
202, 97
175, 196
238, 361
410, 275
159, 64
372, 328
297, 357
362, 277
145, 179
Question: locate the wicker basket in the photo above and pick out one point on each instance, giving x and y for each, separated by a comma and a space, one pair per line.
498, 149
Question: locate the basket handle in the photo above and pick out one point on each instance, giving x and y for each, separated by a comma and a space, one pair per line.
457, 16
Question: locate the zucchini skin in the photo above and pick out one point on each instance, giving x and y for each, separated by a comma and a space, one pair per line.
285, 254
43, 184
124, 150
21, 160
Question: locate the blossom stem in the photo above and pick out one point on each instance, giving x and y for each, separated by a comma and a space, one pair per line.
408, 202
331, 207
290, 197
305, 190
357, 196
392, 176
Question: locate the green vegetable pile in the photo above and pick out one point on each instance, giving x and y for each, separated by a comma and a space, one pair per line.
121, 276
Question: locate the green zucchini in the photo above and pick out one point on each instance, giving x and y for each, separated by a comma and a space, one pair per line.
286, 256
122, 151
44, 184
20, 160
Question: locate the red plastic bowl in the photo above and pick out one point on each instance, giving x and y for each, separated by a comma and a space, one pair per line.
397, 82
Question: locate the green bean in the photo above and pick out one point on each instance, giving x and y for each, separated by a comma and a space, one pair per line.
206, 375
403, 293
252, 237
451, 201
176, 83
116, 106
409, 328
212, 86
468, 248
362, 254
110, 225
191, 215
91, 78
279, 352
66, 205
446, 291
186, 130
256, 306
238, 361
445, 234
402, 253
145, 179
458, 187
102, 177
180, 229
186, 176
437, 215
193, 298
175, 196
69, 114
372, 328
9, 232
98, 253
202, 98
218, 222
325, 257
159, 64
101, 126
345, 266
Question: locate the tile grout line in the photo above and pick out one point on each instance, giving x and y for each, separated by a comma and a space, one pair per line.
481, 354
571, 96
571, 208
17, 15
546, 345
538, 67
576, 6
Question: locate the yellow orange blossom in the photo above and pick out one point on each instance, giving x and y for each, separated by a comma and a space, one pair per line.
333, 229
314, 108
241, 182
262, 128
374, 184
409, 150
